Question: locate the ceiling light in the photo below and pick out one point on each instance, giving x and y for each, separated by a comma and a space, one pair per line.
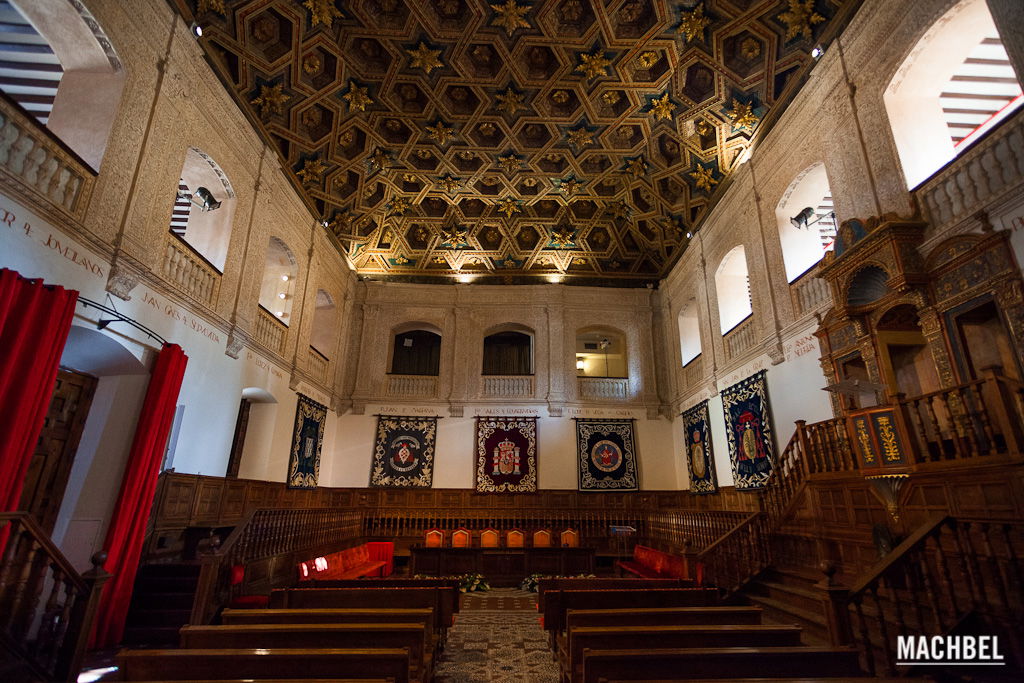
580, 363
554, 279
280, 314
689, 235
281, 295
196, 29
817, 52
464, 279
800, 220
285, 278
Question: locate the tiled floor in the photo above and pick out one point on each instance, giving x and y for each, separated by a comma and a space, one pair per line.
497, 638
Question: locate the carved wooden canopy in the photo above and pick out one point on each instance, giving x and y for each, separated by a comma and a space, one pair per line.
510, 139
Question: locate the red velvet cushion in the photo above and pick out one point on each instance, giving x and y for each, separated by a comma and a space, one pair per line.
237, 574
250, 602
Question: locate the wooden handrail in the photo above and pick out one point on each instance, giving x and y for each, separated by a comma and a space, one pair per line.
877, 570
739, 528
50, 632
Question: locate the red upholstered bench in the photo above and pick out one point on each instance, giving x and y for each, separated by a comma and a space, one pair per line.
250, 601
648, 563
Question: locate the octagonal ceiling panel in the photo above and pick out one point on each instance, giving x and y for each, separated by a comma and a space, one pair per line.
560, 140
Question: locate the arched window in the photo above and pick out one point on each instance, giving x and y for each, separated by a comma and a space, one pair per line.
689, 332
278, 287
956, 83
732, 288
416, 352
508, 353
601, 352
62, 69
204, 208
323, 336
806, 220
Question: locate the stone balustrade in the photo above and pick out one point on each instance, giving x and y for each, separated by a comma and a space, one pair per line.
991, 169
35, 162
693, 372
270, 332
318, 366
740, 338
506, 386
190, 273
412, 386
810, 294
603, 388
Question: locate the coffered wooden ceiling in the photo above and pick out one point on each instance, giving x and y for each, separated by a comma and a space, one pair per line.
510, 141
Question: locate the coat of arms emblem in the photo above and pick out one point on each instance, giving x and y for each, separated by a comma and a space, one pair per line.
506, 458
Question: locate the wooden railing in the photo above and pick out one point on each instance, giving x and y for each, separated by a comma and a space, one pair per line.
274, 540
189, 272
814, 448
990, 169
412, 386
603, 388
684, 531
506, 386
46, 607
740, 338
270, 332
318, 366
945, 570
738, 556
976, 419
34, 161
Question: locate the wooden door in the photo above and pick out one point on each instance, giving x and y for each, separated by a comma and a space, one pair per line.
51, 462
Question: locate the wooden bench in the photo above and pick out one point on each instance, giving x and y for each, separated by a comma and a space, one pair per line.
557, 602
387, 583
718, 663
413, 636
582, 638
350, 563
648, 563
187, 665
442, 600
285, 680
604, 583
656, 616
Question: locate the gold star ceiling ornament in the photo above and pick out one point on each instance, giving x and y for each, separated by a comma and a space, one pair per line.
453, 234
799, 19
618, 210
561, 237
509, 163
570, 187
662, 108
703, 178
693, 23
312, 171
356, 97
509, 101
379, 159
508, 206
636, 167
399, 206
578, 137
322, 11
449, 184
424, 58
742, 115
271, 100
510, 16
593, 65
440, 133
212, 6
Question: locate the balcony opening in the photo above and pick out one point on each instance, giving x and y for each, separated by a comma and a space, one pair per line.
732, 289
416, 352
277, 290
601, 352
806, 221
508, 353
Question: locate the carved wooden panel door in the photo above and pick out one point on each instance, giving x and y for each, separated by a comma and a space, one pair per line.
48, 471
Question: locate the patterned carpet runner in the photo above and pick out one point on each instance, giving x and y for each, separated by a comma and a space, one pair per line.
497, 638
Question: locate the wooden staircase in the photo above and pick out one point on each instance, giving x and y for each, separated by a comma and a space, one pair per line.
161, 604
791, 595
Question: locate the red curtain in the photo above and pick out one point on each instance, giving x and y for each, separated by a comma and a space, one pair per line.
34, 323
128, 523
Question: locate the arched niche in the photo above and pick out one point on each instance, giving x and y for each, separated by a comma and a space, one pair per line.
323, 335
89, 79
930, 110
92, 352
277, 288
415, 349
602, 351
689, 332
732, 289
806, 221
508, 350
204, 208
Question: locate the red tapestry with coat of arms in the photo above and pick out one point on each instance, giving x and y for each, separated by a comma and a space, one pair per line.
506, 454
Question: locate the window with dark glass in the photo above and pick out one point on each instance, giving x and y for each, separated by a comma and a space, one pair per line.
508, 353
417, 352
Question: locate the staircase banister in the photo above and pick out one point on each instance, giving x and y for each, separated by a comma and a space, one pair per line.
28, 522
749, 519
870, 576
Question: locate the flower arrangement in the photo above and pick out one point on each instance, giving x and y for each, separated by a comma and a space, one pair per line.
473, 583
530, 582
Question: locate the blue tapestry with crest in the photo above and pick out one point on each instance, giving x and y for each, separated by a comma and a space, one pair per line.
304, 459
748, 427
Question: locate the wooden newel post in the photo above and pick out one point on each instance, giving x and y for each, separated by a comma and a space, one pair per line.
805, 446
206, 587
1002, 405
82, 616
837, 611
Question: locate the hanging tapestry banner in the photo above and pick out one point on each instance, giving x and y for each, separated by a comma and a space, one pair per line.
404, 454
304, 460
606, 455
699, 456
506, 454
748, 426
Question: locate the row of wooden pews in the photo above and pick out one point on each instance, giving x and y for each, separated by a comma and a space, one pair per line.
605, 630
377, 630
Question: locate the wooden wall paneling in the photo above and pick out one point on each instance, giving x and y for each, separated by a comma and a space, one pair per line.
206, 508
178, 498
232, 507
